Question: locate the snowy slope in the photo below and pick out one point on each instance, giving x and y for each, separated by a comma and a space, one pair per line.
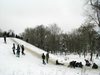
11, 64
38, 52
32, 65
34, 50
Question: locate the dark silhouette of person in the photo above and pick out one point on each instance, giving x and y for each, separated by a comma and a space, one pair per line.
72, 64
87, 62
58, 63
23, 49
95, 66
18, 50
47, 57
43, 58
4, 35
97, 55
27, 40
13, 48
4, 38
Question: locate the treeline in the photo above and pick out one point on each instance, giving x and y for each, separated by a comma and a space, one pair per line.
1, 33
9, 33
82, 40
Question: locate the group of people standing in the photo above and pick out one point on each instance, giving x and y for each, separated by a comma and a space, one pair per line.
18, 50
45, 58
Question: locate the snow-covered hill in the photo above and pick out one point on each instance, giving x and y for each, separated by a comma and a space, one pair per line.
31, 63
34, 50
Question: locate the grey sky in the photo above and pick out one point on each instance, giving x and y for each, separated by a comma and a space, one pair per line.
20, 14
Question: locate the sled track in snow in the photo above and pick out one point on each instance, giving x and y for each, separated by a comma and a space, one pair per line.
33, 52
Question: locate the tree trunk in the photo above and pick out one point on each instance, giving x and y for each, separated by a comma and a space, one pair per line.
91, 56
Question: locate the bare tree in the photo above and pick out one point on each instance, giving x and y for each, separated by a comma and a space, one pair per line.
54, 29
53, 41
94, 13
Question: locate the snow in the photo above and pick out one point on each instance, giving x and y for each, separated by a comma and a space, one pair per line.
31, 63
34, 50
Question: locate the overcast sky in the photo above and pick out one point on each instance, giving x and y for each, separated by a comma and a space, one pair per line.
20, 14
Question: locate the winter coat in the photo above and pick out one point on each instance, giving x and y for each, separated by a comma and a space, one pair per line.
43, 56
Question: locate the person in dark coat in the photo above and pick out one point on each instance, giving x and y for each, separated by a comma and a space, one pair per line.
4, 38
58, 63
97, 55
79, 64
4, 35
47, 57
43, 58
13, 48
22, 50
95, 66
27, 40
72, 64
18, 51
87, 63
